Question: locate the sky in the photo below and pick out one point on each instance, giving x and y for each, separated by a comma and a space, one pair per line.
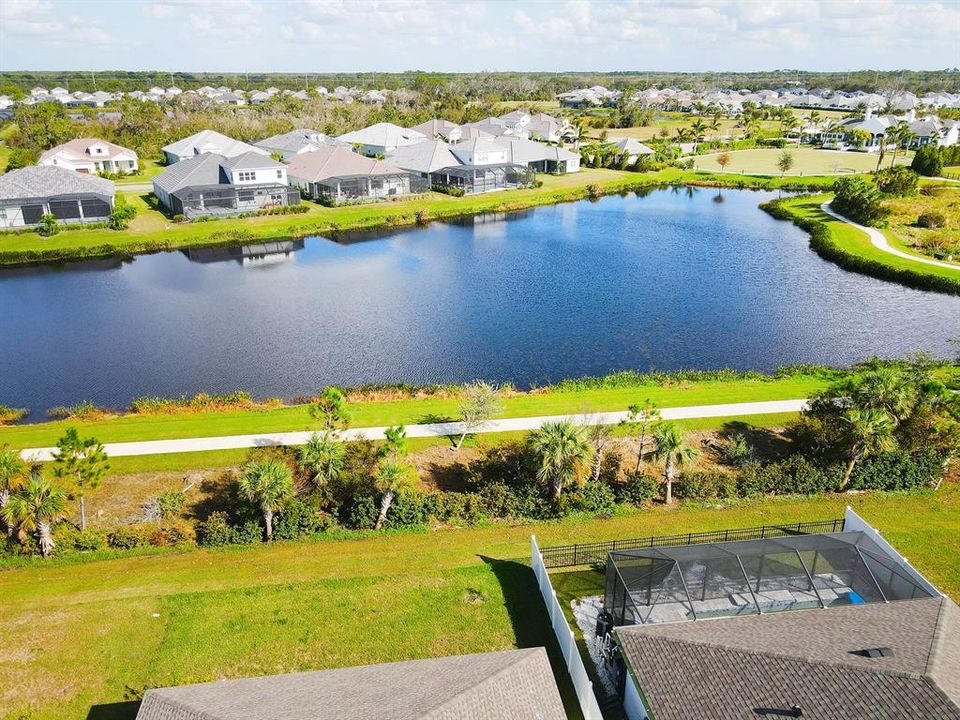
317, 36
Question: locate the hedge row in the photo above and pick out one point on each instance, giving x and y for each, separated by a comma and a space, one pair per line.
824, 244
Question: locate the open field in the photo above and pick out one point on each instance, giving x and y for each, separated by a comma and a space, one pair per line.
806, 161
87, 637
152, 231
857, 246
906, 235
413, 410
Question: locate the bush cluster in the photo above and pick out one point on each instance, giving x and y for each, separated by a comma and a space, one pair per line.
858, 200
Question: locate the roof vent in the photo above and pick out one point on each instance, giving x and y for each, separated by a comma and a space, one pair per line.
876, 652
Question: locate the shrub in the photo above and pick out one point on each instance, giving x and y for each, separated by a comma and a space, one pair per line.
927, 161
284, 210
121, 216
594, 191
409, 509
217, 530
594, 497
705, 484
898, 470
179, 218
736, 451
171, 533
299, 519
126, 537
9, 415
81, 411
458, 507
858, 200
636, 489
795, 475
932, 219
48, 226
170, 503
899, 180
68, 538
362, 512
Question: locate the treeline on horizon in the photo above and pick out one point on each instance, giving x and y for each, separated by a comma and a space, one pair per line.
489, 85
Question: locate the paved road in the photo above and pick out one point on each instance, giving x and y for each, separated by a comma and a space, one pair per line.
879, 241
231, 442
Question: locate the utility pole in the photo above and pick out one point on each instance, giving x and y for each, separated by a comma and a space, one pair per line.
93, 77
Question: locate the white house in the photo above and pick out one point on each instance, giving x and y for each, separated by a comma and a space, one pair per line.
631, 147
207, 141
440, 129
480, 152
381, 138
92, 156
296, 142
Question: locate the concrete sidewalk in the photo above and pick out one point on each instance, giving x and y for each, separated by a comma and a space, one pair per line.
232, 442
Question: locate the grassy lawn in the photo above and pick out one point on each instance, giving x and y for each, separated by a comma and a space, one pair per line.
4, 157
806, 161
96, 634
148, 170
418, 410
857, 243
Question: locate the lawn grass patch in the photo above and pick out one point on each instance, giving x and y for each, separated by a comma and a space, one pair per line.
806, 161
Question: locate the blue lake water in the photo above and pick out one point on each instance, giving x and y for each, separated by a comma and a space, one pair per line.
674, 279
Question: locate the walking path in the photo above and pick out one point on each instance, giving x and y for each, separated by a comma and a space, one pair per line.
445, 429
880, 242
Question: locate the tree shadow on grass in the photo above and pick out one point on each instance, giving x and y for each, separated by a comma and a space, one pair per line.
114, 711
531, 624
766, 443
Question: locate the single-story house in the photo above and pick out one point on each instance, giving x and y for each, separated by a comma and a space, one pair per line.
335, 175
538, 156
27, 194
381, 138
296, 142
207, 141
213, 184
631, 147
439, 129
91, 155
505, 685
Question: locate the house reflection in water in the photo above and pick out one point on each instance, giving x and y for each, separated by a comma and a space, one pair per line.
256, 255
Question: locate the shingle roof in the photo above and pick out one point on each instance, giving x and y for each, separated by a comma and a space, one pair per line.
331, 161
729, 668
40, 181
434, 127
294, 141
78, 149
383, 135
474, 146
493, 686
250, 161
196, 171
209, 141
631, 146
525, 151
427, 156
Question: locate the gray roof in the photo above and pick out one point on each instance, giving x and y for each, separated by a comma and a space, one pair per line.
427, 156
525, 151
250, 161
630, 146
294, 141
730, 668
494, 686
193, 172
433, 128
41, 181
209, 141
383, 134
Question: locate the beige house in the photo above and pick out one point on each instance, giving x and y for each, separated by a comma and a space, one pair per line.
91, 156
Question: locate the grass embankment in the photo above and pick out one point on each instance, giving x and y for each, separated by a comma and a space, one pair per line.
851, 248
84, 637
129, 428
152, 231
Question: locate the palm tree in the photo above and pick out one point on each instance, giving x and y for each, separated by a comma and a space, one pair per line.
669, 446
870, 432
698, 131
12, 479
324, 455
269, 485
392, 477
35, 507
885, 389
561, 449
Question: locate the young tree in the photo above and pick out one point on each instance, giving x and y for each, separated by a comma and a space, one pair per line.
34, 508
81, 463
12, 478
598, 435
269, 485
395, 443
785, 162
724, 159
480, 403
641, 418
392, 478
330, 410
561, 449
670, 447
870, 432
324, 455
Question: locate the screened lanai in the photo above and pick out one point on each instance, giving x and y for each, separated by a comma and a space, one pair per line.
693, 582
473, 179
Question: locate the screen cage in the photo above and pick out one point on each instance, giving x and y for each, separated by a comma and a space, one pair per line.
691, 582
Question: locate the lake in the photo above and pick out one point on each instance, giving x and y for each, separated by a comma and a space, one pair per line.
673, 279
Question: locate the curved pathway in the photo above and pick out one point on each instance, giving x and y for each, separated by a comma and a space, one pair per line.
879, 241
444, 429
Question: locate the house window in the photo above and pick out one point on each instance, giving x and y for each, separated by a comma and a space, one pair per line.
279, 174
245, 175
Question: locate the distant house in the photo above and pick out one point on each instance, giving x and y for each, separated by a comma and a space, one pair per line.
334, 175
213, 184
540, 157
440, 130
505, 685
631, 148
373, 97
381, 138
296, 142
27, 194
90, 155
207, 141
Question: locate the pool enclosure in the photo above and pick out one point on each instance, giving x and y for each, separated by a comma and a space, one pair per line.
226, 200
473, 179
363, 188
693, 582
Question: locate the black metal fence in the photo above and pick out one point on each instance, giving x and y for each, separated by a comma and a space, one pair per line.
590, 553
